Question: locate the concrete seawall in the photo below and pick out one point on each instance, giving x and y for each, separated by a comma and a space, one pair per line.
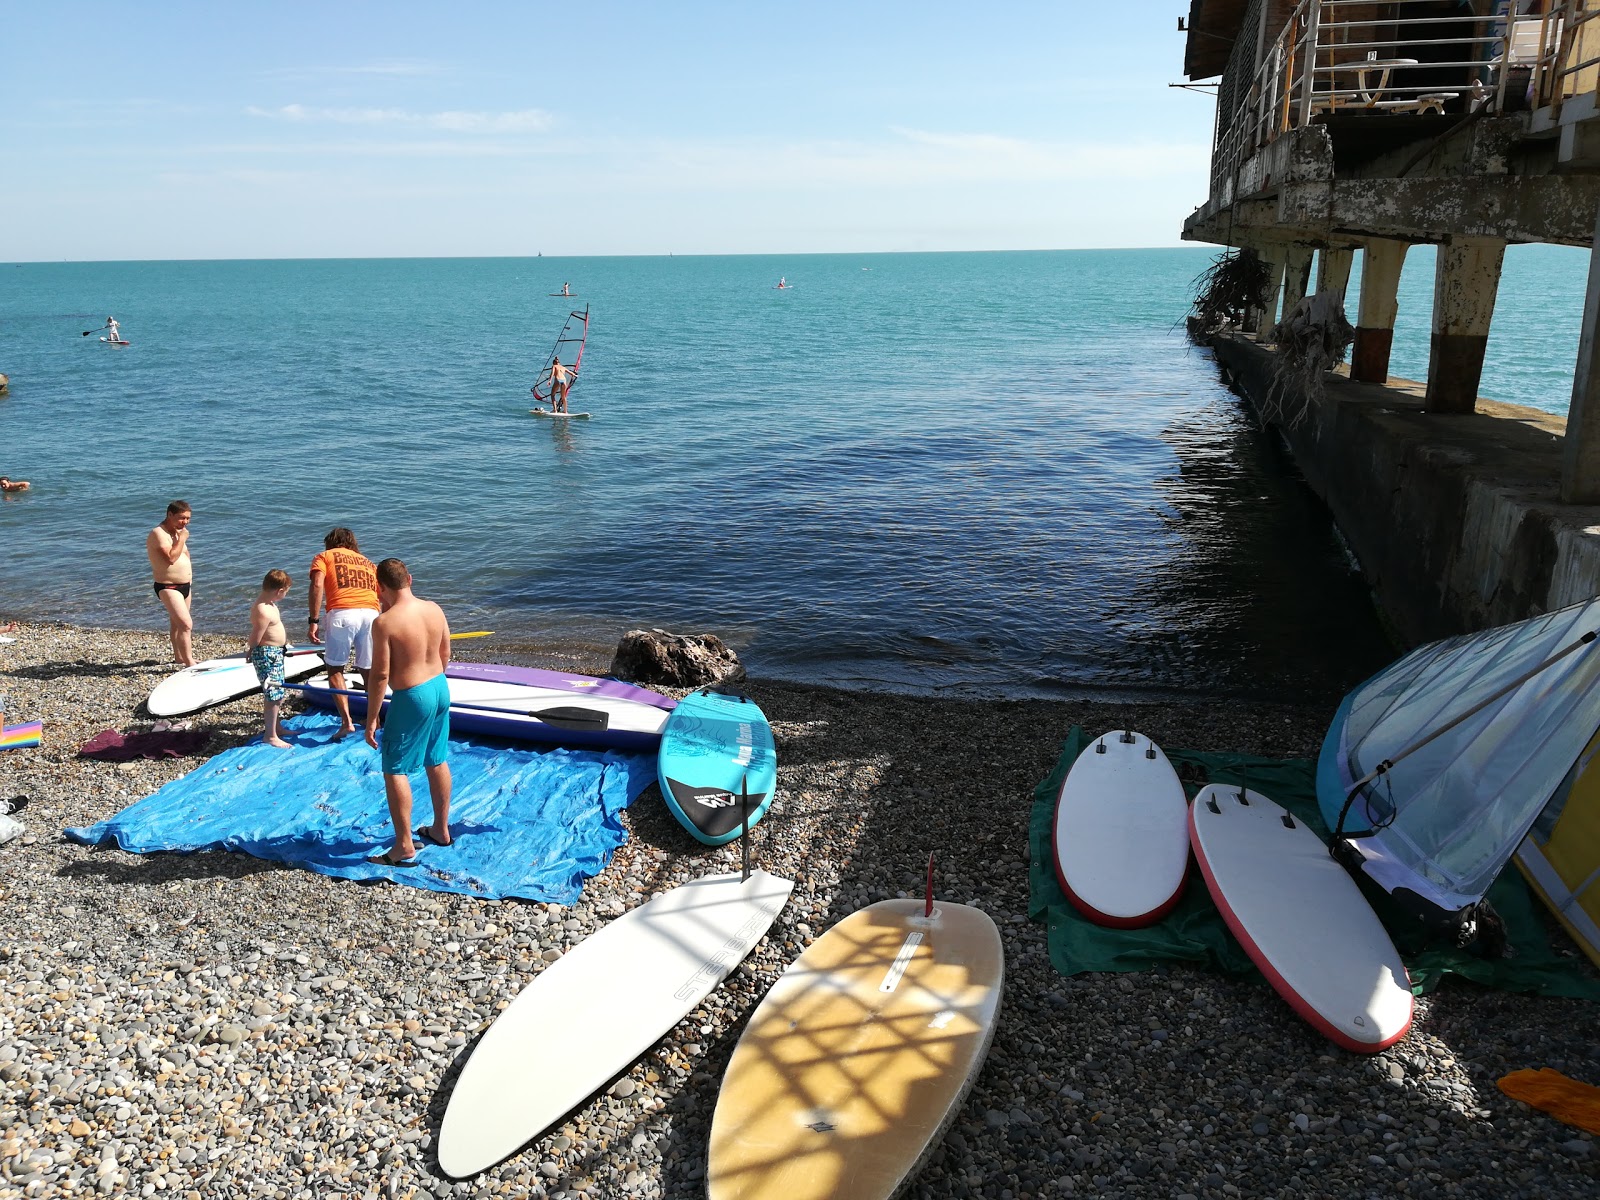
1454, 518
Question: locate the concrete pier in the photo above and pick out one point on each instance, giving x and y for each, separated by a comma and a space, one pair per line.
1580, 460
1458, 524
1265, 318
1333, 270
1466, 280
1381, 262
1297, 276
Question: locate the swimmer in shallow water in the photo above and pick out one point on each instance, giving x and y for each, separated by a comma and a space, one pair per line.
7, 484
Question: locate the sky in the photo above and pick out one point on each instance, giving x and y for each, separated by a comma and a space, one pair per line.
351, 129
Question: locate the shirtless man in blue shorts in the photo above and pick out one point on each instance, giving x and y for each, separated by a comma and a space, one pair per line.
410, 646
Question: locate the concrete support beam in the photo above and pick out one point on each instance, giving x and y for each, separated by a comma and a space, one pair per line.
1515, 208
1465, 283
1276, 257
1297, 276
1333, 270
1381, 261
1580, 448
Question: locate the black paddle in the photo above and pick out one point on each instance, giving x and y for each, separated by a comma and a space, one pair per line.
87, 332
744, 826
578, 720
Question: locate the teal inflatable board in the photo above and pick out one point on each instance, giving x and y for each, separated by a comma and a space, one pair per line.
711, 746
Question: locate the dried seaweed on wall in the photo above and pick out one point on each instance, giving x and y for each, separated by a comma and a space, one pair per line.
1226, 290
1311, 340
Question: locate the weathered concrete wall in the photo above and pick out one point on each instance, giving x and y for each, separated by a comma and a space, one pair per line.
1455, 519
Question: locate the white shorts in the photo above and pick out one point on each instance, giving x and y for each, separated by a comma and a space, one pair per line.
347, 628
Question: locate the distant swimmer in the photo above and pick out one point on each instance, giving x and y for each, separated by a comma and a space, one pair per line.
7, 484
560, 385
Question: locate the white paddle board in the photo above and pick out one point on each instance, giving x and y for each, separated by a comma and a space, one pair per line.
859, 1057
1122, 833
1301, 918
589, 1014
567, 416
218, 680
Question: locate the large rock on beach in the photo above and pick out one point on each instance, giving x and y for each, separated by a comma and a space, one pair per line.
675, 659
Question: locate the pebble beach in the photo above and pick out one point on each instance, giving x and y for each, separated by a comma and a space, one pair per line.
212, 1025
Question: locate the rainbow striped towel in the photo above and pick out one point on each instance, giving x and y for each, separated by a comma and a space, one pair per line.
14, 737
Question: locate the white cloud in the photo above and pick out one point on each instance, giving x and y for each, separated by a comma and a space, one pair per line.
394, 67
912, 157
528, 120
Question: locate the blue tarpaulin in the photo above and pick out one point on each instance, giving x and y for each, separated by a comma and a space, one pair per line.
527, 823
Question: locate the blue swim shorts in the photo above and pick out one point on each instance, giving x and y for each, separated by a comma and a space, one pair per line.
417, 728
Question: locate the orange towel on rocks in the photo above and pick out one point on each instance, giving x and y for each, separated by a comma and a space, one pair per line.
1550, 1091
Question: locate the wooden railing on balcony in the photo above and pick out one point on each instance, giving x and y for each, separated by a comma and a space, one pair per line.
1401, 59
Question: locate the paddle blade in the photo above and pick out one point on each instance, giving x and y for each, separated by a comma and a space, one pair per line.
579, 720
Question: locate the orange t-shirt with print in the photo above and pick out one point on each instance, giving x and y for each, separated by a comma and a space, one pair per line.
349, 580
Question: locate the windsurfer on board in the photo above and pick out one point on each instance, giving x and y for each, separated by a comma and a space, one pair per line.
560, 385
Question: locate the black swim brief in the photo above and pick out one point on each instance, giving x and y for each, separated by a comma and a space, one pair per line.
181, 588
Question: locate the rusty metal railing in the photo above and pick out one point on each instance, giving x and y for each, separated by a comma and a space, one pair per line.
1336, 58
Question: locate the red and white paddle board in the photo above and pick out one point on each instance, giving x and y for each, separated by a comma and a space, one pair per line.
1122, 837
1301, 918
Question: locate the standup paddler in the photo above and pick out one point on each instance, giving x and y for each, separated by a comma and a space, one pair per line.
560, 385
167, 547
346, 578
410, 646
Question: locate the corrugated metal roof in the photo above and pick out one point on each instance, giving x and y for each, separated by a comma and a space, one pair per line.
1213, 28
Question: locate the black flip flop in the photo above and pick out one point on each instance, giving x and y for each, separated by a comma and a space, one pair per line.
14, 805
385, 860
422, 835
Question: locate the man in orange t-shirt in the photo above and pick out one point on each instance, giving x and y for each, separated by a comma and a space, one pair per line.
349, 581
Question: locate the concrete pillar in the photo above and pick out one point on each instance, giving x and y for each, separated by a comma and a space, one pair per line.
1580, 449
1333, 270
1267, 317
1465, 283
1381, 260
1296, 276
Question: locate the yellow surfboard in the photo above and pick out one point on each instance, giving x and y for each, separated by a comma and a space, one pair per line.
859, 1056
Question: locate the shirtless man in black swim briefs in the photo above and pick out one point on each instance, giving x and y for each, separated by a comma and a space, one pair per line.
168, 549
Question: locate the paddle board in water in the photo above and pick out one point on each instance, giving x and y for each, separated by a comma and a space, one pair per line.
1301, 918
530, 705
1122, 832
714, 745
859, 1057
590, 1013
115, 342
569, 416
219, 680
16, 737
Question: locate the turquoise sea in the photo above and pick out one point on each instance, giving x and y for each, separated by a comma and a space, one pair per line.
988, 474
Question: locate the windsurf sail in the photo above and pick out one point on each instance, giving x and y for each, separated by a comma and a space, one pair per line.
569, 346
1436, 768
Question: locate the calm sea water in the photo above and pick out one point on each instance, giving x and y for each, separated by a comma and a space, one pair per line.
1000, 474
